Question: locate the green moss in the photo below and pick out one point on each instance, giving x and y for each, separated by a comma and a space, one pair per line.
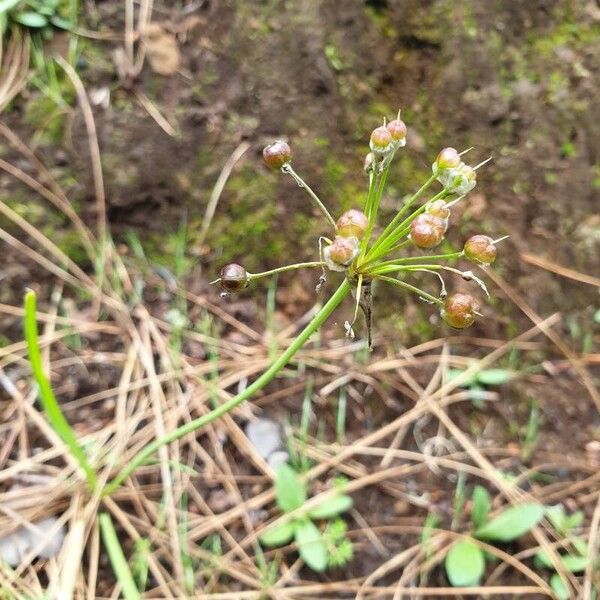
46, 117
248, 227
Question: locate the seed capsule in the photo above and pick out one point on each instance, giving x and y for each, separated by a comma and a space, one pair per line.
459, 310
448, 158
353, 223
381, 140
341, 253
277, 154
427, 231
480, 249
440, 210
397, 129
233, 278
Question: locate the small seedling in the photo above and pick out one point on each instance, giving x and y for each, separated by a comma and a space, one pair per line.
480, 380
34, 14
465, 562
318, 549
574, 562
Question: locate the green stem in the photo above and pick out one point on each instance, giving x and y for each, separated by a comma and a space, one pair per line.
382, 247
411, 259
392, 224
117, 558
375, 205
314, 325
372, 186
410, 288
46, 395
306, 265
287, 168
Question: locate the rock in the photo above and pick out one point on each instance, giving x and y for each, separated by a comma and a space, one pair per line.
17, 544
277, 458
265, 436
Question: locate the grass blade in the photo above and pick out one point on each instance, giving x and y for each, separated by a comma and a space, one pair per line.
46, 395
117, 558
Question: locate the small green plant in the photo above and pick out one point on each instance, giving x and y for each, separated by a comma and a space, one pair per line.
480, 380
319, 549
465, 562
574, 561
41, 15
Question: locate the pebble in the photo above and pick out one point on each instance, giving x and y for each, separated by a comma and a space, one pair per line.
265, 436
14, 546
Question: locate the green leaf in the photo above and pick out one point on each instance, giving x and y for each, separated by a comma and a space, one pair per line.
31, 19
311, 545
61, 23
580, 545
465, 564
454, 373
560, 521
575, 520
6, 5
494, 376
278, 536
331, 507
481, 506
556, 516
512, 523
290, 491
575, 564
560, 589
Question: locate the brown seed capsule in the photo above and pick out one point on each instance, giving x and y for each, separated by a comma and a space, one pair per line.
343, 250
440, 210
277, 154
459, 310
448, 158
427, 231
233, 278
353, 223
381, 140
480, 249
397, 129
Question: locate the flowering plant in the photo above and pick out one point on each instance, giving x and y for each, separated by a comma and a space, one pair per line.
352, 250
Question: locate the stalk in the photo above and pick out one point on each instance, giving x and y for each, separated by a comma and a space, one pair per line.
305, 265
395, 234
143, 455
392, 224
